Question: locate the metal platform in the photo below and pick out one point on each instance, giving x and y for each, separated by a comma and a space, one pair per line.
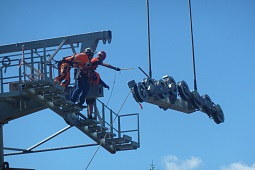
27, 86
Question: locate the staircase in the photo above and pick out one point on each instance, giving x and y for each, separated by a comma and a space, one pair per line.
53, 97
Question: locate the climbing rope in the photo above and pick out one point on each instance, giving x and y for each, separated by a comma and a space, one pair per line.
112, 89
106, 133
114, 83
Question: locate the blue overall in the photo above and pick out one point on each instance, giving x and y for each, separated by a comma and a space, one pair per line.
81, 89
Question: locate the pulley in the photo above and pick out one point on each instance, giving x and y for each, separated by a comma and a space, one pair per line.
171, 84
139, 92
208, 106
196, 100
150, 86
184, 91
161, 84
218, 116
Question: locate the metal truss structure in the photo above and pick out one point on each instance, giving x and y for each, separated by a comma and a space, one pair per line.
27, 86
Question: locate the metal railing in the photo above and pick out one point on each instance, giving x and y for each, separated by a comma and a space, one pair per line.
26, 66
113, 121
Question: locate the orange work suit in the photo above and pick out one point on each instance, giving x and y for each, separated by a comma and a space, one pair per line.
64, 74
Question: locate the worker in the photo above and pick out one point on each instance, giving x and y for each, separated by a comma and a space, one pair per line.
94, 79
82, 62
64, 67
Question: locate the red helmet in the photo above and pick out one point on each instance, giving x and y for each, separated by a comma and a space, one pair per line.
102, 54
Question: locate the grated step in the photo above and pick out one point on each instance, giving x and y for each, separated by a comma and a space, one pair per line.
58, 102
70, 109
97, 128
105, 135
53, 95
124, 139
47, 90
122, 147
35, 84
88, 122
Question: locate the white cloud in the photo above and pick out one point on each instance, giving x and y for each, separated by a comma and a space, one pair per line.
171, 162
238, 166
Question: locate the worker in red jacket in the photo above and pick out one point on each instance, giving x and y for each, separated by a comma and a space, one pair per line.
95, 77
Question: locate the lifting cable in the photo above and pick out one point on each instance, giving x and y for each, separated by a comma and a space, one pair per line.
193, 48
106, 133
149, 44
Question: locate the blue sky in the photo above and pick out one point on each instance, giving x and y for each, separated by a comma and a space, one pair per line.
224, 39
